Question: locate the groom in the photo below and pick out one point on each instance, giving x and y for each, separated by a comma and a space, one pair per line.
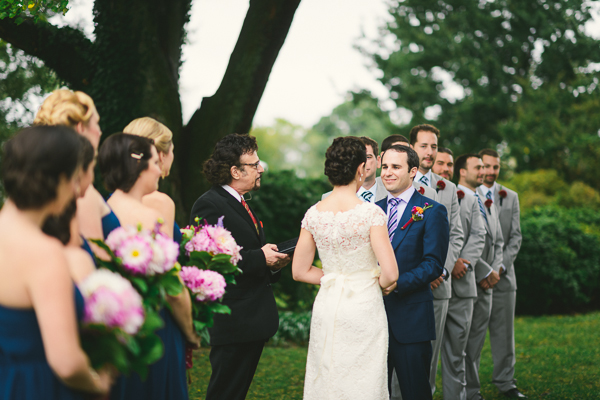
420, 247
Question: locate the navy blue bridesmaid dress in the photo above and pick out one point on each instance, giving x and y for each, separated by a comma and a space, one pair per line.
167, 377
24, 371
110, 222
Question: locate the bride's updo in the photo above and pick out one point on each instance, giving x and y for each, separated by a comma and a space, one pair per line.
343, 158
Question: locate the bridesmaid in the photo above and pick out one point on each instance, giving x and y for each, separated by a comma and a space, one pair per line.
130, 166
163, 141
40, 355
64, 227
77, 110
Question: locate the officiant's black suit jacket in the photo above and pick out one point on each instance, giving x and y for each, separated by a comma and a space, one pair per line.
253, 311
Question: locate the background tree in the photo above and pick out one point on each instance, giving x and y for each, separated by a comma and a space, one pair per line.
131, 69
483, 69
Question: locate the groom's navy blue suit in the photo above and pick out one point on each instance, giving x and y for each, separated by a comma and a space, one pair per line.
420, 250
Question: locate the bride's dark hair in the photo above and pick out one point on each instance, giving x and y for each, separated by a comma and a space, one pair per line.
343, 158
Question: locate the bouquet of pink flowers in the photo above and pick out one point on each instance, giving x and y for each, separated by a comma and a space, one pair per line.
210, 255
146, 258
115, 328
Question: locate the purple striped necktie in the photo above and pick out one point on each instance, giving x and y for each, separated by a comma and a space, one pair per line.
393, 220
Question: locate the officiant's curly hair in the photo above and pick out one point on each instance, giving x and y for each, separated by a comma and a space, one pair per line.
227, 154
343, 158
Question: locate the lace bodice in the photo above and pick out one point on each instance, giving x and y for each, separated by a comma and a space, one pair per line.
343, 239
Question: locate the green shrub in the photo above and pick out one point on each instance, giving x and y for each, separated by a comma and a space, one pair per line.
294, 328
558, 266
281, 203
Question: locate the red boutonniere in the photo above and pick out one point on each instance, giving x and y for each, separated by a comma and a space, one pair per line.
460, 194
422, 190
488, 203
417, 214
503, 195
441, 185
261, 225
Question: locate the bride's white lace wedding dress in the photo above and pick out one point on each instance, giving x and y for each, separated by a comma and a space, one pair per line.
347, 350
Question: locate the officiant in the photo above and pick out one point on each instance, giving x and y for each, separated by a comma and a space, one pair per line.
238, 339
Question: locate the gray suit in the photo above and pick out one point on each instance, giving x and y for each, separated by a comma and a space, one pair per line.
491, 259
460, 306
380, 191
442, 293
502, 338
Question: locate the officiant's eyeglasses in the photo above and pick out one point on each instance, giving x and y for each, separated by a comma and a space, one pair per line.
254, 165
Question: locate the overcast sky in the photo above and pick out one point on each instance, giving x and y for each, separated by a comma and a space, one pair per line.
317, 64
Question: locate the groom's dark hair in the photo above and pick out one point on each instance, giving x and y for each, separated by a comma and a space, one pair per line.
411, 156
227, 153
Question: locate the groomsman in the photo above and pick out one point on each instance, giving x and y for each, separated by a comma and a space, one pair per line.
372, 189
464, 285
486, 271
444, 163
502, 338
424, 140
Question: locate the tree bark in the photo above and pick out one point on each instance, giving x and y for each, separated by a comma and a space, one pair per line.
232, 108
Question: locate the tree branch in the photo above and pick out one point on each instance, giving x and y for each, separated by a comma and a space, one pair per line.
232, 107
65, 50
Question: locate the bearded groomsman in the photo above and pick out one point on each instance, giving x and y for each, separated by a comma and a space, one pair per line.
424, 140
372, 189
502, 338
444, 163
486, 271
464, 284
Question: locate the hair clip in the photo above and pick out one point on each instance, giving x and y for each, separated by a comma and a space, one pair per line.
137, 156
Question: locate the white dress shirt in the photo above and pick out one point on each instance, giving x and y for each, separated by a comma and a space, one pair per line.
428, 176
372, 190
232, 192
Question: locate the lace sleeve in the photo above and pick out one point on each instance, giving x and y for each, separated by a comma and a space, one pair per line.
378, 217
305, 221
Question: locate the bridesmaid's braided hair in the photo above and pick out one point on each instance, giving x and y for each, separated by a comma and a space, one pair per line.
343, 158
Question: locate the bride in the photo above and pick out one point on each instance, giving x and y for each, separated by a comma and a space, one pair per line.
347, 351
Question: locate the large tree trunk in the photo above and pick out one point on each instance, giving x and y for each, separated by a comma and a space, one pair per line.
131, 70
232, 108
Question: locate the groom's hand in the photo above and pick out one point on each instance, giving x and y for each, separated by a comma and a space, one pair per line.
460, 269
434, 285
275, 260
389, 289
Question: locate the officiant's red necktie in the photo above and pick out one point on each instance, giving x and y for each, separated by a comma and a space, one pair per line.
251, 215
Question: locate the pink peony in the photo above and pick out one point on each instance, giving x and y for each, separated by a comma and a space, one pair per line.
215, 239
112, 301
207, 285
136, 253
164, 254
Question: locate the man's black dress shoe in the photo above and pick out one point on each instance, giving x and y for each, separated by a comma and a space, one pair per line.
514, 394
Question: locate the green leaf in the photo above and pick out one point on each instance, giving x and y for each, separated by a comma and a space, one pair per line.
219, 308
172, 284
199, 258
152, 322
199, 326
140, 283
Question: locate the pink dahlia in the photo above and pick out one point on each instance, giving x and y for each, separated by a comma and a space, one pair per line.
207, 285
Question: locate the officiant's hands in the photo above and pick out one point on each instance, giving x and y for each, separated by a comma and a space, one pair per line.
275, 260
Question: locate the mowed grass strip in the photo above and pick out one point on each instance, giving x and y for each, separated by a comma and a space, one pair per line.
558, 357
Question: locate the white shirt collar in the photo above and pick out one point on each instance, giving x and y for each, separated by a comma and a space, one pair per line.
232, 192
373, 190
466, 190
406, 195
485, 190
427, 175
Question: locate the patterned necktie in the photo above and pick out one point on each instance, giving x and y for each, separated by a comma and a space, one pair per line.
367, 196
489, 195
251, 215
424, 180
393, 220
481, 208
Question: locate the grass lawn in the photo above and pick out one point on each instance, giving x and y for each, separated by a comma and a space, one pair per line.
558, 357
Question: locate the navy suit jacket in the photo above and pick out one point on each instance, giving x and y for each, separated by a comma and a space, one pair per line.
420, 251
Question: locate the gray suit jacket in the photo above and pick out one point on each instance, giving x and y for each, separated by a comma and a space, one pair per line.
509, 214
380, 193
491, 258
427, 191
448, 198
473, 227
